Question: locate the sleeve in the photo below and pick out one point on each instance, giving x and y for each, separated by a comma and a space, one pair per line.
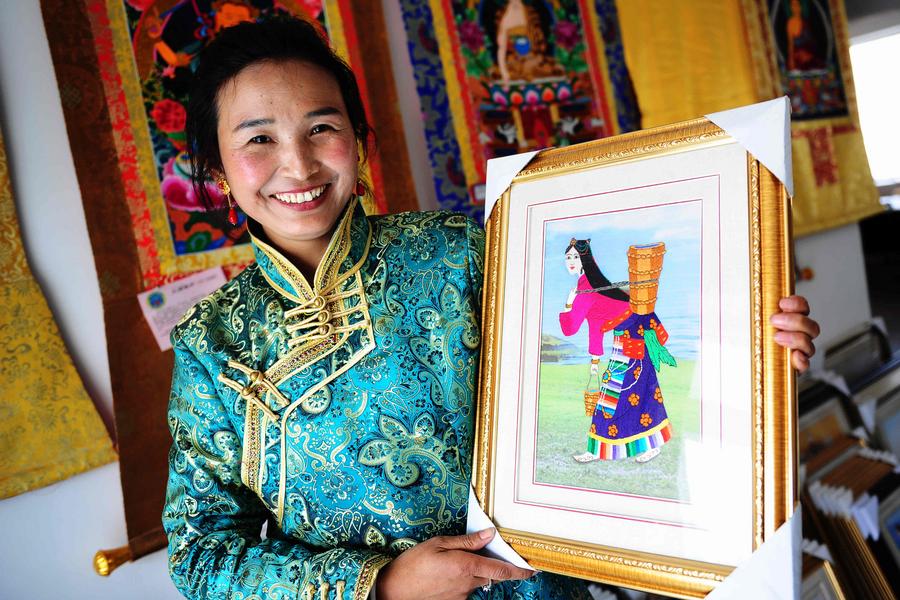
213, 522
570, 320
661, 334
475, 243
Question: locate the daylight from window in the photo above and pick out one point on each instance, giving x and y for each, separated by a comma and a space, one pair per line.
874, 64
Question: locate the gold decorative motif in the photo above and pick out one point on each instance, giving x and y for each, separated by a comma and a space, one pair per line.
623, 148
107, 561
367, 575
688, 579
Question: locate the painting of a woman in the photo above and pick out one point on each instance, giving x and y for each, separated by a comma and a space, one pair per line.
593, 299
629, 418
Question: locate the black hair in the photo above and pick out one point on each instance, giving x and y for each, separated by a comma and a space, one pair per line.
236, 48
593, 273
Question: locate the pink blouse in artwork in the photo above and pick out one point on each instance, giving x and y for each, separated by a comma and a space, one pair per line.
600, 312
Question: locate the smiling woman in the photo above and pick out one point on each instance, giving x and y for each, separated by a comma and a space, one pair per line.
329, 389
290, 152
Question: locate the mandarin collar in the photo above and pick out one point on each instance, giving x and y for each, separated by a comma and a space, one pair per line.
346, 251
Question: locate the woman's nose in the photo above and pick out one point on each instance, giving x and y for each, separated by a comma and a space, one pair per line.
299, 159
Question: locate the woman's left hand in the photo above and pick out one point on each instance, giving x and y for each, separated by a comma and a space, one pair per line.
795, 330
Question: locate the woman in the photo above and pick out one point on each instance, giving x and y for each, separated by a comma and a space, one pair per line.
598, 308
327, 390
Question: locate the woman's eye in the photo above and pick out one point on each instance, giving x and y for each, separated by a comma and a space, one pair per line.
260, 139
321, 128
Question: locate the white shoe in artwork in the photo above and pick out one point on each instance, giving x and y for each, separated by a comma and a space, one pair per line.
648, 455
586, 457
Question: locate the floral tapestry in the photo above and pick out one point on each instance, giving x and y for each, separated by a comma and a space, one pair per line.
147, 50
497, 78
706, 55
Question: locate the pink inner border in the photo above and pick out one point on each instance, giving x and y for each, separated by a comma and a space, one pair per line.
516, 499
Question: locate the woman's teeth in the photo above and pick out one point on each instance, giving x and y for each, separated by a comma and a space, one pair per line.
301, 197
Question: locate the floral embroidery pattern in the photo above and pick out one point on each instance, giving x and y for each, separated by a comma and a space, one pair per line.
637, 373
633, 399
612, 430
646, 420
657, 395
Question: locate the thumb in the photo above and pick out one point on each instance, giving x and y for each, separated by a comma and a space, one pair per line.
471, 542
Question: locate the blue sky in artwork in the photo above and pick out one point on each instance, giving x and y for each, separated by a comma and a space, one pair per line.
678, 303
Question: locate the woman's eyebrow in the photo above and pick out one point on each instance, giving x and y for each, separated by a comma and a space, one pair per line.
252, 123
322, 112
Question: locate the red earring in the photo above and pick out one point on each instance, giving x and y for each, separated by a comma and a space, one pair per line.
360, 188
222, 183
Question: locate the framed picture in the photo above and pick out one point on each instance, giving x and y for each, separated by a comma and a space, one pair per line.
637, 420
823, 421
889, 524
887, 422
819, 581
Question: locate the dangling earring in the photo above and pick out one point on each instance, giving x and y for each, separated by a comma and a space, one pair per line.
360, 188
222, 183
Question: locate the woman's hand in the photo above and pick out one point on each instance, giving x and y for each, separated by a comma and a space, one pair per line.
795, 330
444, 568
571, 299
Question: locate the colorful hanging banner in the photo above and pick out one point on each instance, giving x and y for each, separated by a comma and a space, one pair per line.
704, 56
497, 78
50, 429
834, 185
147, 50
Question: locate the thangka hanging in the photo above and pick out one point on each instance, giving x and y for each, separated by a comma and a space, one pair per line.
147, 50
50, 429
703, 56
498, 77
833, 183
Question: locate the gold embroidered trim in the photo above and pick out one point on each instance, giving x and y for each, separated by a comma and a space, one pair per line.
318, 343
367, 574
257, 416
251, 451
329, 267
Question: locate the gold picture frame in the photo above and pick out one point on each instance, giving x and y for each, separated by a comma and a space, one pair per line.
769, 433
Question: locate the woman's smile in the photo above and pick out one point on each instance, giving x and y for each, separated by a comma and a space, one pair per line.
289, 152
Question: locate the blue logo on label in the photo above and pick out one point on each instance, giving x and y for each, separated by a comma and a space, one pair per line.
156, 299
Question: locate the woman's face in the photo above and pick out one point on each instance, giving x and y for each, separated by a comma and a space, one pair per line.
288, 150
573, 261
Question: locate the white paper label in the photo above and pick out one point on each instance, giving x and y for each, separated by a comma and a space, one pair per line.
165, 305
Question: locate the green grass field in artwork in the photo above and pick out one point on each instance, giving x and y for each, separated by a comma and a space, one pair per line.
562, 432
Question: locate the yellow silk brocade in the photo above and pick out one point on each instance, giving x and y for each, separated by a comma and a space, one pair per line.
49, 428
688, 59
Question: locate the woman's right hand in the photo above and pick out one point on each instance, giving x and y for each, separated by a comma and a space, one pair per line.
444, 567
571, 299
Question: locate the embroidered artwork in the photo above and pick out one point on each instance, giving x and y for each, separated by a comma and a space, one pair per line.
148, 52
501, 77
617, 395
807, 50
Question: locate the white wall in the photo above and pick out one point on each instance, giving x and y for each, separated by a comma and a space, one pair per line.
49, 536
838, 293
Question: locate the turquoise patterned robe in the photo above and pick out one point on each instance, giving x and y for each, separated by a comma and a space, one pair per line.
340, 413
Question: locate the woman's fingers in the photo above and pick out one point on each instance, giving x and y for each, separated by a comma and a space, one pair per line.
795, 341
789, 321
800, 361
470, 543
794, 304
496, 570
